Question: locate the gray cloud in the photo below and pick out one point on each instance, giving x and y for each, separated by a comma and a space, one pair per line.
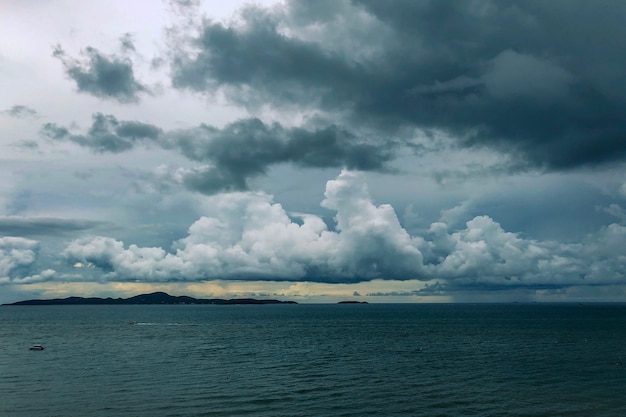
104, 76
236, 153
27, 144
211, 180
21, 112
428, 290
106, 134
541, 81
246, 148
126, 43
42, 226
279, 69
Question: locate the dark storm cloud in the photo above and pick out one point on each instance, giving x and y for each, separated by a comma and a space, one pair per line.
106, 134
279, 69
104, 76
541, 81
20, 112
246, 148
41, 226
210, 180
236, 153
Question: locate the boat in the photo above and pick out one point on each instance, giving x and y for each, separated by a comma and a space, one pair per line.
36, 347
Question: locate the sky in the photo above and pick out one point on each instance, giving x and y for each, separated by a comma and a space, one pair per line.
370, 150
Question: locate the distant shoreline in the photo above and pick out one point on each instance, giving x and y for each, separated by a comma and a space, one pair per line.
152, 298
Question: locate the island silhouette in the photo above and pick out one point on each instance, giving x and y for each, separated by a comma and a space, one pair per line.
152, 298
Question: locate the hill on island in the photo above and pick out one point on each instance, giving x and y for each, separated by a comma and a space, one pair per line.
152, 298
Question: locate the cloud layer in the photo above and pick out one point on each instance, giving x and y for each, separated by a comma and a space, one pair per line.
42, 226
232, 155
523, 79
196, 149
247, 236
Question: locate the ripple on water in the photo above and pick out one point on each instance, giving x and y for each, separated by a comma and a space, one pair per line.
299, 360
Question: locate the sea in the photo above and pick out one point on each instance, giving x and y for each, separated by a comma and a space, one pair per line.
314, 360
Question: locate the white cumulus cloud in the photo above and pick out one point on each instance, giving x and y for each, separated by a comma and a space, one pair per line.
15, 253
248, 236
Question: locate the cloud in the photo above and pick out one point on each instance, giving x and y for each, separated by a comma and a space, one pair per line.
126, 43
42, 226
617, 211
247, 236
234, 154
523, 79
46, 275
606, 260
246, 148
108, 77
16, 257
435, 289
21, 112
483, 254
513, 75
106, 134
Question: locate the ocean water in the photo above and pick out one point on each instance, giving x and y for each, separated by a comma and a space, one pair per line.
314, 360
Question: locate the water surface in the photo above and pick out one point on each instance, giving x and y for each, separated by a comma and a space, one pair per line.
314, 360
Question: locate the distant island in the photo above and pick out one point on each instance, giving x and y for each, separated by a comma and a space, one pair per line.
352, 302
153, 298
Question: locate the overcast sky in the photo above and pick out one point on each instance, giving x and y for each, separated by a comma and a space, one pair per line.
382, 151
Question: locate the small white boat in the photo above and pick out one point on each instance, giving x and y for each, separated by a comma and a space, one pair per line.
36, 347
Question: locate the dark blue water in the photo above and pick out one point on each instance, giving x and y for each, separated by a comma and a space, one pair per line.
314, 360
